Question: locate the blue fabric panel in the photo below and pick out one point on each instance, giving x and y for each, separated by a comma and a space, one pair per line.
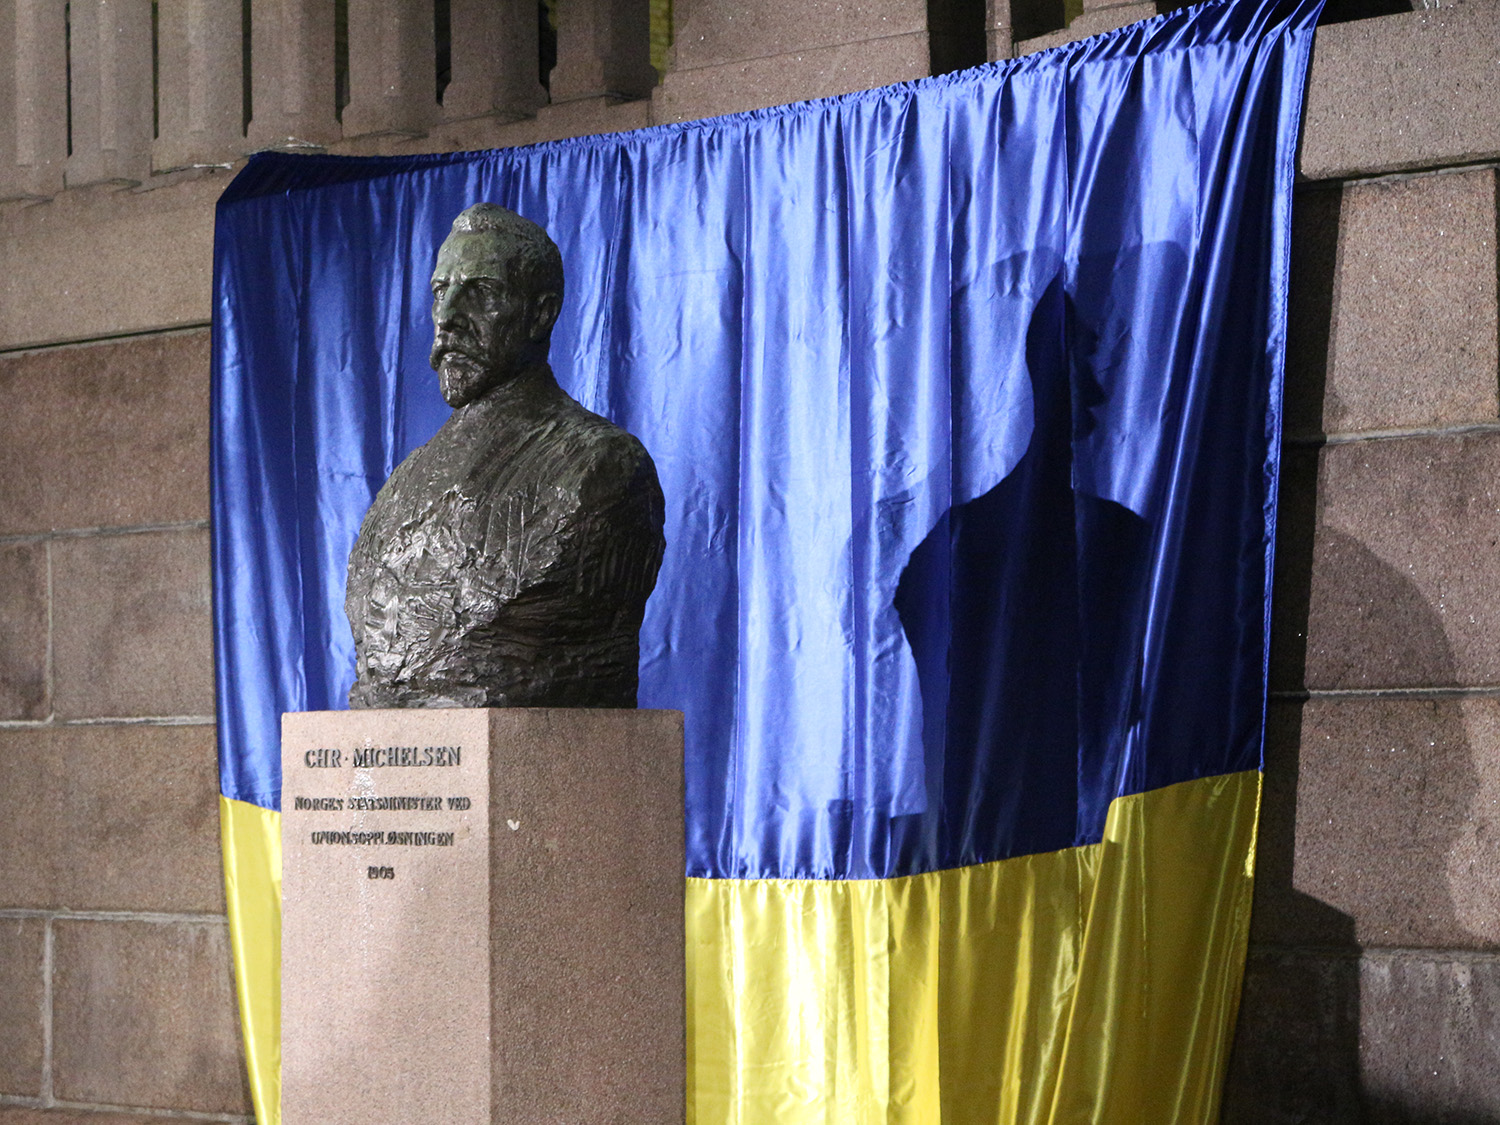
964, 395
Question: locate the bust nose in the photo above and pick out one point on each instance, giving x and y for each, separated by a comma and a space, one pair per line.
444, 308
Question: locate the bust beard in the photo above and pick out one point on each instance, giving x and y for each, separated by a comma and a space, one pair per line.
462, 379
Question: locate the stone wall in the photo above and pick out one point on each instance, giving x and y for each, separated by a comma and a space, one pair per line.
1373, 989
114, 980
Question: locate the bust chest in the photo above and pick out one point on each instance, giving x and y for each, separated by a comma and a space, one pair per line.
461, 538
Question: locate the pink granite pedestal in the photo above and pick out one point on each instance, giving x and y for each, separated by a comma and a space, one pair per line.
482, 917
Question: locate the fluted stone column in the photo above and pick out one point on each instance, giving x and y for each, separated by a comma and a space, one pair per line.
603, 50
33, 98
291, 62
111, 87
494, 53
392, 68
200, 91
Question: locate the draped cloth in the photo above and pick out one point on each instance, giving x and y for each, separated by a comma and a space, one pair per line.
965, 398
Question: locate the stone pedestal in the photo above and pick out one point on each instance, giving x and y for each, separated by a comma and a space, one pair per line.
482, 917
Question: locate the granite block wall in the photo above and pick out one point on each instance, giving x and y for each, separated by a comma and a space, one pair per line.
1372, 992
1373, 985
114, 972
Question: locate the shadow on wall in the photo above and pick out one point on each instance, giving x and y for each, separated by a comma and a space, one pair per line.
1305, 1051
1315, 1042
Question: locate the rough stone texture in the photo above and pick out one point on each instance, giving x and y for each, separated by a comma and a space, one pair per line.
110, 92
582, 118
585, 117
1311, 283
110, 818
1035, 43
1399, 585
1296, 1048
130, 619
1008, 22
1363, 117
1430, 1035
1296, 525
21, 1115
23, 630
34, 137
582, 844
1282, 913
1390, 1037
493, 60
1363, 113
1092, 22
100, 262
293, 85
778, 79
199, 97
1414, 90
392, 80
603, 49
144, 1015
1394, 323
999, 43
21, 980
105, 435
1109, 17
1381, 824
576, 853
709, 33
351, 956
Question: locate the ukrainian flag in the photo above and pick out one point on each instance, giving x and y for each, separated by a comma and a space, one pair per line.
965, 399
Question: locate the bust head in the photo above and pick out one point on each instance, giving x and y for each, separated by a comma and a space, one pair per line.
496, 291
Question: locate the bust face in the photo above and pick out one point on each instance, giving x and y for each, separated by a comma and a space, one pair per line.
486, 330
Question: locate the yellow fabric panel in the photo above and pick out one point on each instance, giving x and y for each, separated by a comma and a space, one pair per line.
251, 839
1159, 979
1096, 984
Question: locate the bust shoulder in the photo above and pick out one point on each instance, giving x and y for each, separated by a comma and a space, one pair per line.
548, 441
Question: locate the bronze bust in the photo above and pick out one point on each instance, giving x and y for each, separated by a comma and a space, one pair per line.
507, 562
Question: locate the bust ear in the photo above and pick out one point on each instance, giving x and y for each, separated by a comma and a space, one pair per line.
544, 310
